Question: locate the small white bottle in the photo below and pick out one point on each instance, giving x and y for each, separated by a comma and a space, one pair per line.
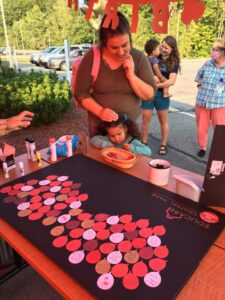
69, 148
5, 168
21, 168
52, 147
27, 144
32, 149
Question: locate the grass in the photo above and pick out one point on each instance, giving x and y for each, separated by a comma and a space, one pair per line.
20, 59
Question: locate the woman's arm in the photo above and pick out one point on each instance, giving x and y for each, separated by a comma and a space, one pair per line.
83, 86
23, 119
143, 90
104, 114
169, 82
201, 72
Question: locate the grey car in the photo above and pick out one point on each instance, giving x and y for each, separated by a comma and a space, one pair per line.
60, 63
58, 53
35, 56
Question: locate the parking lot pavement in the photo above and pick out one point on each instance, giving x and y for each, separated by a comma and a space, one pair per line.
182, 145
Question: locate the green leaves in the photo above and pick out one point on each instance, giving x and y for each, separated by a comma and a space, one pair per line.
44, 94
42, 23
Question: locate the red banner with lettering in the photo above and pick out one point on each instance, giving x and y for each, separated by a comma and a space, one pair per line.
192, 11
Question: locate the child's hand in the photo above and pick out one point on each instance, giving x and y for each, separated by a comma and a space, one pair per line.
126, 147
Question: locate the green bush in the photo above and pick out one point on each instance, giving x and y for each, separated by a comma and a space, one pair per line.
42, 93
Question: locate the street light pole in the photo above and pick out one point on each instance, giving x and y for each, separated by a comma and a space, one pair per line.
5, 32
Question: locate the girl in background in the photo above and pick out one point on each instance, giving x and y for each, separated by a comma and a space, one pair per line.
169, 64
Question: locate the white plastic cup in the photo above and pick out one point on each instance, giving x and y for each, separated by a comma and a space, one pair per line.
159, 172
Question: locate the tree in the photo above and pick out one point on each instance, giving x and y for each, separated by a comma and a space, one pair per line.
49, 22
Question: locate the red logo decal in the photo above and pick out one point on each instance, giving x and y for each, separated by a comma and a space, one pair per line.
209, 217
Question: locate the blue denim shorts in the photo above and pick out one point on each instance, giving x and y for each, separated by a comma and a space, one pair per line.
159, 102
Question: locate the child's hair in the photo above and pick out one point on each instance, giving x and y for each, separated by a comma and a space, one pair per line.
132, 128
151, 45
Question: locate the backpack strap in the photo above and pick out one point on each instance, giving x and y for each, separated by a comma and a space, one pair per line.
96, 63
74, 73
94, 70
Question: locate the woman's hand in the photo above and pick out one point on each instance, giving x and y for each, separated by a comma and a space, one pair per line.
3, 124
108, 115
128, 65
23, 119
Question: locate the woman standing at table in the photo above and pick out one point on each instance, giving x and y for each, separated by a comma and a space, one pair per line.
169, 64
210, 101
124, 77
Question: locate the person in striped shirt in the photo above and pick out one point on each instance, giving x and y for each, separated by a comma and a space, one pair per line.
210, 100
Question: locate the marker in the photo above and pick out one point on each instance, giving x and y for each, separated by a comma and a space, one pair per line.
27, 144
32, 149
6, 171
21, 168
38, 157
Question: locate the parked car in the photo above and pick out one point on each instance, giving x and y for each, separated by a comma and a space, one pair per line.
35, 56
5, 50
60, 63
58, 53
85, 46
2, 50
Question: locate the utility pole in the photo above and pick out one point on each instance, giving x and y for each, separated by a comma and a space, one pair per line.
6, 35
67, 53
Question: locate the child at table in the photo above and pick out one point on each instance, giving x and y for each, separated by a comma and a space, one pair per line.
122, 133
152, 48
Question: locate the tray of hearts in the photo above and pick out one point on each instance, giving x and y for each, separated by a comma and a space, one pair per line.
119, 157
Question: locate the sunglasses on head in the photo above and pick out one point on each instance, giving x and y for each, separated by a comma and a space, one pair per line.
218, 49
